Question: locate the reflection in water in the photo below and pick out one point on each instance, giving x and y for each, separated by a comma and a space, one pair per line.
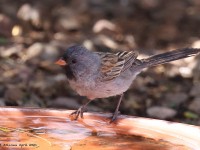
46, 129
60, 133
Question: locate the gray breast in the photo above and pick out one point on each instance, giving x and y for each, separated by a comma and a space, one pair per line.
114, 87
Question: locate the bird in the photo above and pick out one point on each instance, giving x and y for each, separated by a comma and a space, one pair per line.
105, 74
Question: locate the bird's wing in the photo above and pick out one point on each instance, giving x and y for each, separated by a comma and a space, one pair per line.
112, 64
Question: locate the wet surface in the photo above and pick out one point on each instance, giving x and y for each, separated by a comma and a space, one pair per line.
24, 130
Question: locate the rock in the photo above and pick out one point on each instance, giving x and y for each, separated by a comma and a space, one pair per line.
34, 50
102, 24
186, 72
68, 24
14, 95
173, 72
133, 102
198, 123
196, 70
50, 86
29, 13
93, 108
60, 36
60, 78
34, 101
175, 98
2, 102
196, 44
106, 40
64, 102
149, 4
195, 91
50, 53
7, 52
49, 66
67, 20
24, 72
130, 39
16, 31
43, 51
88, 44
195, 105
44, 88
170, 29
6, 25
2, 89
161, 112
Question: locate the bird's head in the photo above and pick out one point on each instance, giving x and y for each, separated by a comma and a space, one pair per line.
77, 60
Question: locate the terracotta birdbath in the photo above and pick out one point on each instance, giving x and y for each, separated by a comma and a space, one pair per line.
50, 129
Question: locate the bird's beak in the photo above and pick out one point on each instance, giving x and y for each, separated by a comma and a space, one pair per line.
61, 62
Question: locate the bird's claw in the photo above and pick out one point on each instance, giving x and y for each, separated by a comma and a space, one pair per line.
114, 116
78, 112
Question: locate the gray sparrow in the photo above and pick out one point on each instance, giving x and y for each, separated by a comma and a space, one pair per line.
104, 74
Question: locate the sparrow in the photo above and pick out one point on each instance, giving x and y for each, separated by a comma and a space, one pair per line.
104, 74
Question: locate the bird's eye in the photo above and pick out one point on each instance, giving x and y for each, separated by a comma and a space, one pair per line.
73, 61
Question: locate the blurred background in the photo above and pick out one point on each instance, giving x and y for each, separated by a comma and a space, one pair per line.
33, 34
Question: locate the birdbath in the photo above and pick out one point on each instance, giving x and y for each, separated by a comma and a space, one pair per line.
52, 129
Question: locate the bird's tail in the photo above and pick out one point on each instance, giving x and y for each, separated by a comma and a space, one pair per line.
167, 57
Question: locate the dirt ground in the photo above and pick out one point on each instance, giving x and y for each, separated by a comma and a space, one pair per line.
34, 34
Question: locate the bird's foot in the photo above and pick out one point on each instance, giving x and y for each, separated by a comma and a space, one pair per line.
114, 116
78, 113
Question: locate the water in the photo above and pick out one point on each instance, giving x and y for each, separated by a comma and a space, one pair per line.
28, 131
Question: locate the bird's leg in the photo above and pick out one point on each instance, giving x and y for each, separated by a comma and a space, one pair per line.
80, 111
116, 113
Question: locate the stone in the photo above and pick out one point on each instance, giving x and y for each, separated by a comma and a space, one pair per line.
68, 23
93, 108
2, 102
7, 52
175, 98
106, 40
161, 112
34, 101
29, 13
67, 20
60, 78
102, 24
43, 51
64, 102
195, 105
6, 25
14, 95
2, 89
34, 50
195, 91
50, 53
196, 44
149, 4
